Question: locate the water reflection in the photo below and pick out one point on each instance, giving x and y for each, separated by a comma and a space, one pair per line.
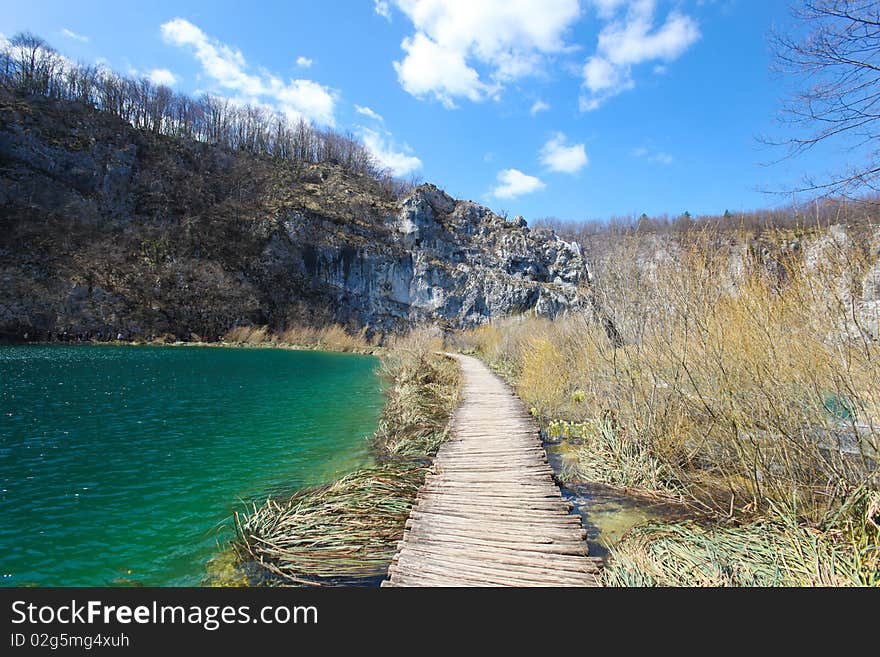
606, 512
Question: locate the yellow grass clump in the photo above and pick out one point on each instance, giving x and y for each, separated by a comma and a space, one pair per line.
327, 338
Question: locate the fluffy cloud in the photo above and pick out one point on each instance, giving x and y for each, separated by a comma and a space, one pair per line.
303, 62
516, 183
368, 112
304, 98
629, 40
162, 76
429, 69
228, 68
538, 106
467, 50
556, 156
70, 34
400, 163
508, 39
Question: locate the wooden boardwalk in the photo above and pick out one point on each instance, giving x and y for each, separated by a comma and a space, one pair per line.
489, 513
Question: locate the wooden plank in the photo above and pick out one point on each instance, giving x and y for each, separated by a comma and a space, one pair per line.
490, 504
507, 576
481, 578
510, 536
506, 555
478, 564
478, 539
547, 524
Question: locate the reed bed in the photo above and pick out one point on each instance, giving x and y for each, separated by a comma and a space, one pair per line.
423, 393
347, 531
336, 533
736, 375
774, 551
325, 338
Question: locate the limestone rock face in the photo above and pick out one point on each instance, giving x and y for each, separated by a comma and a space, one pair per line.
868, 306
450, 262
106, 230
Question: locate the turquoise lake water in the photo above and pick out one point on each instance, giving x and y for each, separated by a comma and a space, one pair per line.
123, 464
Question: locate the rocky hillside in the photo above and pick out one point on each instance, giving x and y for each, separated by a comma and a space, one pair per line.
106, 230
843, 261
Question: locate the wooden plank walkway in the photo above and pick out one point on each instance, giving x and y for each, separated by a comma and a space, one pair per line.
489, 513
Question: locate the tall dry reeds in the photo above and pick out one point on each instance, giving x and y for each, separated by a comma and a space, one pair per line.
747, 375
423, 392
327, 338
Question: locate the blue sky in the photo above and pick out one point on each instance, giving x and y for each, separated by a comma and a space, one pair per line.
575, 109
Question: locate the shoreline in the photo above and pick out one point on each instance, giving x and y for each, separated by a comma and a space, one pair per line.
209, 427
369, 351
345, 532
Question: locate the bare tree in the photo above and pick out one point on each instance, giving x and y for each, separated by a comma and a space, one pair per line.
36, 63
836, 61
30, 66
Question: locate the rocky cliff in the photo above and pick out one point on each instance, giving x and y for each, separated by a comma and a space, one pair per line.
106, 230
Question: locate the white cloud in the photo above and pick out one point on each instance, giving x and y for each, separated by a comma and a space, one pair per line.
538, 106
600, 74
516, 183
305, 98
228, 68
366, 111
509, 39
634, 42
400, 163
556, 156
73, 35
652, 156
429, 69
382, 8
631, 40
162, 76
304, 62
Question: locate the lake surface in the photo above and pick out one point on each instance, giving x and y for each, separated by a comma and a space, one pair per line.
122, 465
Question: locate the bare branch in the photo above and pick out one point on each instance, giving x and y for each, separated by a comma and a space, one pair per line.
837, 62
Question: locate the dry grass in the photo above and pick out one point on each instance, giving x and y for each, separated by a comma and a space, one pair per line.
333, 534
423, 393
253, 335
739, 376
736, 387
773, 551
325, 338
